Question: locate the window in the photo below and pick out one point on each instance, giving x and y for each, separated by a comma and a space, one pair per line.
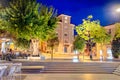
109, 31
65, 34
65, 49
65, 21
66, 17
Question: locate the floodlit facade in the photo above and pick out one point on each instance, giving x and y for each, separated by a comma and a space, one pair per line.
107, 53
65, 32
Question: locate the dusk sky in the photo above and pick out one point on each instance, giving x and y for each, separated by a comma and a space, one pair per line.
102, 10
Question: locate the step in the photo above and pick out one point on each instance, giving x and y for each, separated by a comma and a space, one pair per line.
80, 66
116, 73
70, 67
32, 67
81, 70
75, 72
117, 70
78, 69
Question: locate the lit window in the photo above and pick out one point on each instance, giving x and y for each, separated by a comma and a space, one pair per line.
65, 17
65, 21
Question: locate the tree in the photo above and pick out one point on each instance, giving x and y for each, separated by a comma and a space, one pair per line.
103, 38
52, 43
79, 45
92, 32
117, 31
2, 18
30, 21
116, 48
4, 3
116, 41
3, 23
21, 43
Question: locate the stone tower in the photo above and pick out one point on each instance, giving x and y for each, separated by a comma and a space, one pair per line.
65, 32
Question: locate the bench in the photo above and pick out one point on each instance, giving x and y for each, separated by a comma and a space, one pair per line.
36, 58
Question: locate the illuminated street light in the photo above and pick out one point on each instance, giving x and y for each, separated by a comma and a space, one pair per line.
118, 10
112, 12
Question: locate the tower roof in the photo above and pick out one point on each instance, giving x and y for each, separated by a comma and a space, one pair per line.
63, 15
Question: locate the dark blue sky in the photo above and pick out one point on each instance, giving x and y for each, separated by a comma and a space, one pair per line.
103, 10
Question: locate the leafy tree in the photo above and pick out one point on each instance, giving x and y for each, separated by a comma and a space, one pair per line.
21, 43
116, 41
92, 32
3, 23
4, 3
79, 45
117, 31
30, 21
1, 17
116, 48
102, 37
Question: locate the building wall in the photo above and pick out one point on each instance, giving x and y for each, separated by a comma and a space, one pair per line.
65, 31
110, 29
106, 47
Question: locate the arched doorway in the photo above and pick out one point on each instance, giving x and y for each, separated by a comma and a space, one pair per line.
65, 49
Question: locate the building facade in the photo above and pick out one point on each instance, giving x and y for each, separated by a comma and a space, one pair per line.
106, 53
65, 32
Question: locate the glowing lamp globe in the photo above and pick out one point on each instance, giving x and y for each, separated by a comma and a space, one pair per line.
118, 10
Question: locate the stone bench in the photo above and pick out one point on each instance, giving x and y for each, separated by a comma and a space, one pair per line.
36, 58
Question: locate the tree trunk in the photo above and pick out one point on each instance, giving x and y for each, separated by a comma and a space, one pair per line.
83, 56
52, 53
102, 48
90, 51
102, 51
35, 47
